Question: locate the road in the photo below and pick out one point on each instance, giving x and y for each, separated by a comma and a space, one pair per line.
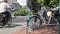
20, 19
20, 23
17, 23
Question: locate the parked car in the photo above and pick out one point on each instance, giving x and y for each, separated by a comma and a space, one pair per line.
14, 5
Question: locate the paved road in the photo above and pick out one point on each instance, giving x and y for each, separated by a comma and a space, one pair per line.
20, 19
17, 23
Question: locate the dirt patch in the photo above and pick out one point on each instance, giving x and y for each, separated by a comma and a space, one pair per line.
46, 30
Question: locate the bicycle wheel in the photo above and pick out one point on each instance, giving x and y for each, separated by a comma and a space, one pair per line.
53, 21
35, 22
9, 21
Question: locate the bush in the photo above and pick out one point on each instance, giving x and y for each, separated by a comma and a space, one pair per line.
21, 12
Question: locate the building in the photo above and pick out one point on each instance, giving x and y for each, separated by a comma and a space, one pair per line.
11, 1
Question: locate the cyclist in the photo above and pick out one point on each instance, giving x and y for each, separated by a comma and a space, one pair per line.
4, 9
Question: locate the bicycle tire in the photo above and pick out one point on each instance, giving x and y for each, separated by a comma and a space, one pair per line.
10, 21
35, 25
53, 21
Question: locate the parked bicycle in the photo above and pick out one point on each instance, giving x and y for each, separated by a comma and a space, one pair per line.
41, 17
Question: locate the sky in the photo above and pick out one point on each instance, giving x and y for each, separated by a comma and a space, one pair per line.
22, 2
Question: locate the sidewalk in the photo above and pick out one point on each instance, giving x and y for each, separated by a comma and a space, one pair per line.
20, 31
43, 30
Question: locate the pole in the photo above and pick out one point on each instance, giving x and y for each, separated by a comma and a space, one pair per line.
59, 21
28, 19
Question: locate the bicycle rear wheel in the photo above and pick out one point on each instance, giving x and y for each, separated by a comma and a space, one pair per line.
35, 22
9, 21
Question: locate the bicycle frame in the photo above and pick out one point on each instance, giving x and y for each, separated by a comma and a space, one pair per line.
40, 15
49, 19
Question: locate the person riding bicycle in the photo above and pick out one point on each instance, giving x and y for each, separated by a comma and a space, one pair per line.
4, 7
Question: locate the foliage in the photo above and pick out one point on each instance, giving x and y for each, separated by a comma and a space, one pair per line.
21, 12
54, 3
50, 3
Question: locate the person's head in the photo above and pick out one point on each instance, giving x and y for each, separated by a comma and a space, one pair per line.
3, 0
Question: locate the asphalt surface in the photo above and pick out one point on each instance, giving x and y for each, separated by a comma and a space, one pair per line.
17, 23
20, 19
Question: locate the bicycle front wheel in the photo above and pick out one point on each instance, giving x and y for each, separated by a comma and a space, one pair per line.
35, 22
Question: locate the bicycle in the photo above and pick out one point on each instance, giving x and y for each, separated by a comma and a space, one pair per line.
41, 17
8, 21
10, 18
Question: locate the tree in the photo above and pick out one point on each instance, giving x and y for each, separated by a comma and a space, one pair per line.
50, 3
34, 5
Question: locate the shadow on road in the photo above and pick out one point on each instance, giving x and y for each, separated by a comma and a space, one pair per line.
12, 26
